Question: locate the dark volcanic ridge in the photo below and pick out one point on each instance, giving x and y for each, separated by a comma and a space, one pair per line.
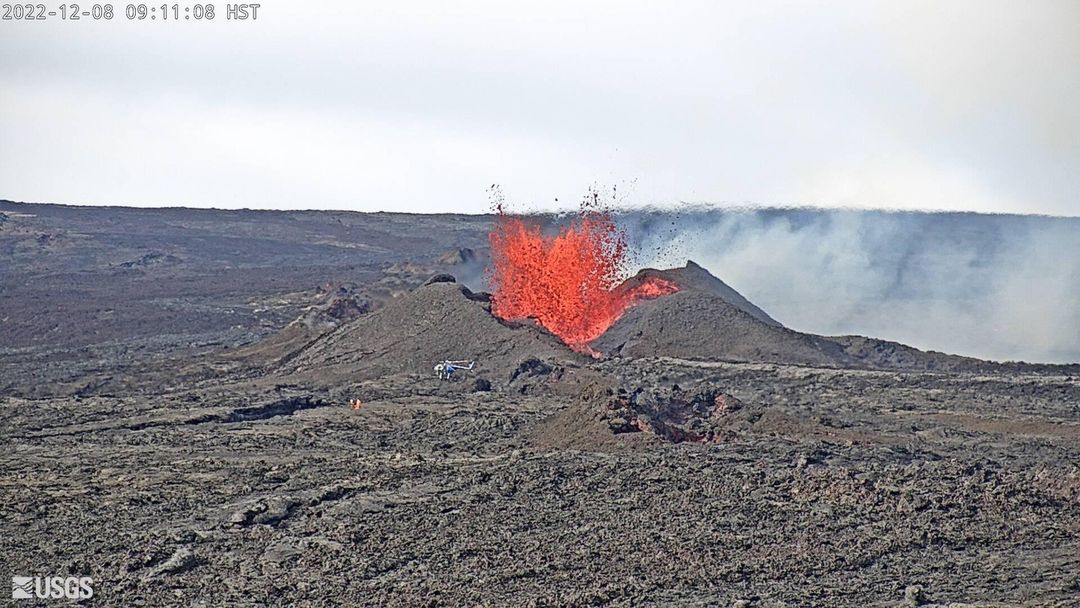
441, 320
693, 277
706, 320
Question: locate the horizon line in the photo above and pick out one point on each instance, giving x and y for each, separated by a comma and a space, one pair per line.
673, 208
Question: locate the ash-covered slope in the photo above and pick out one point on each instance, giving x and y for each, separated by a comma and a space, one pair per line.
693, 277
709, 320
695, 324
438, 321
316, 320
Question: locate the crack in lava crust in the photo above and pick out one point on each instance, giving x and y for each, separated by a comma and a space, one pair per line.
568, 282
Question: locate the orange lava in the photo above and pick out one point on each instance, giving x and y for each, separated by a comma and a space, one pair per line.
569, 281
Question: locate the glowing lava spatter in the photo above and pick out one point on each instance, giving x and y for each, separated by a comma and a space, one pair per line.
568, 282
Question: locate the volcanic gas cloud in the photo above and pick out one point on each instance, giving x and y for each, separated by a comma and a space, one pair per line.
570, 281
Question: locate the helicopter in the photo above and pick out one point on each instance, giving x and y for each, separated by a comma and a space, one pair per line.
445, 370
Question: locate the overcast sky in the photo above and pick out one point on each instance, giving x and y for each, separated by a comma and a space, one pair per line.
421, 106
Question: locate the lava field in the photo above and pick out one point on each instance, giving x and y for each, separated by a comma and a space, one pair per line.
205, 408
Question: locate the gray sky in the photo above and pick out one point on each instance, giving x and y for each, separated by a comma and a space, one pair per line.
421, 106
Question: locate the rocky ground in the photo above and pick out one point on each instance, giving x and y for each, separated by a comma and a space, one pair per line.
823, 487
207, 476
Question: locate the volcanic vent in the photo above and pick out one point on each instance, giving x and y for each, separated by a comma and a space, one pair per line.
562, 288
568, 282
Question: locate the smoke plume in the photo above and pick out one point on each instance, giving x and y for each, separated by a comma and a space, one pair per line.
992, 286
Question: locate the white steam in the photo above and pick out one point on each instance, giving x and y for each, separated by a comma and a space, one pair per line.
996, 287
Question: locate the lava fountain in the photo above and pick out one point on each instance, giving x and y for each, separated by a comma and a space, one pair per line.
569, 282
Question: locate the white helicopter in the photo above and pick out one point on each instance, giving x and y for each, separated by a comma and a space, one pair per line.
445, 369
